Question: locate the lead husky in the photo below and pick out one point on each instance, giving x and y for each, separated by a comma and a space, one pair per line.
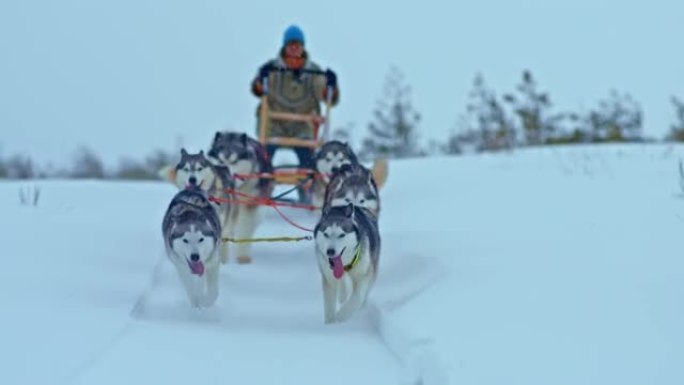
196, 170
329, 158
243, 155
347, 251
192, 232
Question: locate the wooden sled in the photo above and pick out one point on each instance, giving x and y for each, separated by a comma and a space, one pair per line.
293, 175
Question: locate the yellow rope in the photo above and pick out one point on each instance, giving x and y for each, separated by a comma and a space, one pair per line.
272, 239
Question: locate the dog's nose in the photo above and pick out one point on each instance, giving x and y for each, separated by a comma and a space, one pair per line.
335, 169
194, 257
330, 252
193, 180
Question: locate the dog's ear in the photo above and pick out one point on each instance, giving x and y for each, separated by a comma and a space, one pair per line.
325, 210
243, 138
201, 152
183, 152
217, 136
352, 156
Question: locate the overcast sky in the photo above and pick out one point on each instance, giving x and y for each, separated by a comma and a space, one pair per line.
127, 76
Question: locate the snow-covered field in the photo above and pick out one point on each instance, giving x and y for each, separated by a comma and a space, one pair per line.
547, 266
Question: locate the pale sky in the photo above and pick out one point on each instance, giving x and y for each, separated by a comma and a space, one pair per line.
126, 76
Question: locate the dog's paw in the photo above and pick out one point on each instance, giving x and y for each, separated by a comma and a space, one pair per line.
244, 259
344, 314
207, 301
196, 303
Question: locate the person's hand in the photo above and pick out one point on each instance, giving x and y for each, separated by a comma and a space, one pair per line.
265, 70
330, 78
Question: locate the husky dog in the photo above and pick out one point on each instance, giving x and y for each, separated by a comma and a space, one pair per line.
243, 155
355, 185
347, 251
192, 233
329, 158
196, 170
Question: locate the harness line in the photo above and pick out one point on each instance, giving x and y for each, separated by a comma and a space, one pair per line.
268, 239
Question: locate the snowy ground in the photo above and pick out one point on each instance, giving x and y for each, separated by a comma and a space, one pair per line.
550, 266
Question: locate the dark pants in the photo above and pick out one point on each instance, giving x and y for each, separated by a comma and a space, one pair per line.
305, 156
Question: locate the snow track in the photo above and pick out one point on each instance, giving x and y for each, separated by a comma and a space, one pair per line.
269, 315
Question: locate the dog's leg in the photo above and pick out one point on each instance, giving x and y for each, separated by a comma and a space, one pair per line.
245, 228
192, 289
212, 286
329, 301
342, 291
358, 297
317, 199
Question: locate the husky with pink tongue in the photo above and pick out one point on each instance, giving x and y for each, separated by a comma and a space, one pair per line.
347, 251
192, 233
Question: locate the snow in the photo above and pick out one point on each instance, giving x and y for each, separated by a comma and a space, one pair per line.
542, 266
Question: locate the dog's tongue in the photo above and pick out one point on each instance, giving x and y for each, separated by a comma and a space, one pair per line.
337, 266
197, 267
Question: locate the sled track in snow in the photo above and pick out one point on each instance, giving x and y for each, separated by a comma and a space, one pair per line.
280, 291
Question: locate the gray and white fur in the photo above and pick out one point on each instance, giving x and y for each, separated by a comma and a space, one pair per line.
341, 234
197, 170
243, 155
328, 159
192, 232
355, 185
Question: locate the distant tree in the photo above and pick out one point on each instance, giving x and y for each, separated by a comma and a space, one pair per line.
87, 165
52, 171
133, 170
617, 119
20, 167
147, 169
677, 128
160, 158
463, 138
532, 109
394, 129
453, 144
487, 126
4, 171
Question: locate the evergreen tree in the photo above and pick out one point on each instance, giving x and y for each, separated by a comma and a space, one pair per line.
394, 130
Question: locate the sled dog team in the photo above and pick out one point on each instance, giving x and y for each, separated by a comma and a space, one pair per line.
347, 239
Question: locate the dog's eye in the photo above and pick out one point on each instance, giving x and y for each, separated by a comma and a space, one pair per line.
341, 235
362, 201
199, 169
185, 240
201, 240
347, 200
326, 235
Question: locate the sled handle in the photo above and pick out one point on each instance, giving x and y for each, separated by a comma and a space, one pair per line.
328, 108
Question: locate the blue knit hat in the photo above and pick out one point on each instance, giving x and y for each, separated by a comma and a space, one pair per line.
293, 33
